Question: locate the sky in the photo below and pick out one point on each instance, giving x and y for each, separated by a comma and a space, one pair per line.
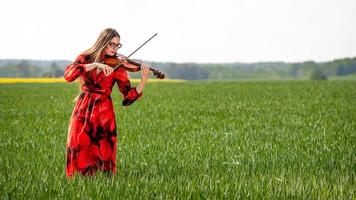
205, 31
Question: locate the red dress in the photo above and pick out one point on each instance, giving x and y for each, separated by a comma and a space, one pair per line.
91, 142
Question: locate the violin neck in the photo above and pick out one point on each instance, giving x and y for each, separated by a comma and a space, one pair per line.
134, 62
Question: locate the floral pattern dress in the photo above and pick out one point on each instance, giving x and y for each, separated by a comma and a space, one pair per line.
91, 141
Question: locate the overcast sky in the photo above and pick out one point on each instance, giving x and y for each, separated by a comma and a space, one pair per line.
188, 30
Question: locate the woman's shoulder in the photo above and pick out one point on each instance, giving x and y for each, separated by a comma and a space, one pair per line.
82, 58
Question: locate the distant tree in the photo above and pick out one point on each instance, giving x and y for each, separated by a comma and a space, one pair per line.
54, 71
318, 75
341, 70
53, 67
189, 71
293, 70
23, 69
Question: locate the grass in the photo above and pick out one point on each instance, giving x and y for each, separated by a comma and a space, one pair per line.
193, 140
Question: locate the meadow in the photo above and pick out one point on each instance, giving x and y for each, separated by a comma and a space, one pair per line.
192, 140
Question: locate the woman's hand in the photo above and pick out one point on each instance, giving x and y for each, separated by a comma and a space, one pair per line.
145, 72
101, 67
106, 68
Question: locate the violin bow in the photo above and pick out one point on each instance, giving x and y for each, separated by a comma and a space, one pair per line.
135, 51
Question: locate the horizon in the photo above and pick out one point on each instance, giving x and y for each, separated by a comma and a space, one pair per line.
64, 60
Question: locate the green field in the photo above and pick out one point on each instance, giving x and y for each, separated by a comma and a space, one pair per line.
194, 140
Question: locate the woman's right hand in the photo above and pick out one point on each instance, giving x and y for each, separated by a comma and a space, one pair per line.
106, 68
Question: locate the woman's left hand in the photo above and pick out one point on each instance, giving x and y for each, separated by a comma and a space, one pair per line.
145, 72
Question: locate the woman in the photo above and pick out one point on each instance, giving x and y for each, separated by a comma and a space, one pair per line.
91, 142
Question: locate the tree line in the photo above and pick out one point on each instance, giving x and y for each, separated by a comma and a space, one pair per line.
199, 71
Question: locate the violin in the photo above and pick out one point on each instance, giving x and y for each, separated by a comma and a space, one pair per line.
115, 62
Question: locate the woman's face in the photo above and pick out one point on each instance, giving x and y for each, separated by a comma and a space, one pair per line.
113, 46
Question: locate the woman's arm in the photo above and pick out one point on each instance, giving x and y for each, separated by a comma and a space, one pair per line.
75, 69
91, 66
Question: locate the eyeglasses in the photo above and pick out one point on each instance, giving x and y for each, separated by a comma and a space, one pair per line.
113, 45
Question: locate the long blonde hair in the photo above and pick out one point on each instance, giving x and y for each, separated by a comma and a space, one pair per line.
94, 52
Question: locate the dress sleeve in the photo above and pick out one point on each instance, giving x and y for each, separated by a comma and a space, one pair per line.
129, 93
75, 69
